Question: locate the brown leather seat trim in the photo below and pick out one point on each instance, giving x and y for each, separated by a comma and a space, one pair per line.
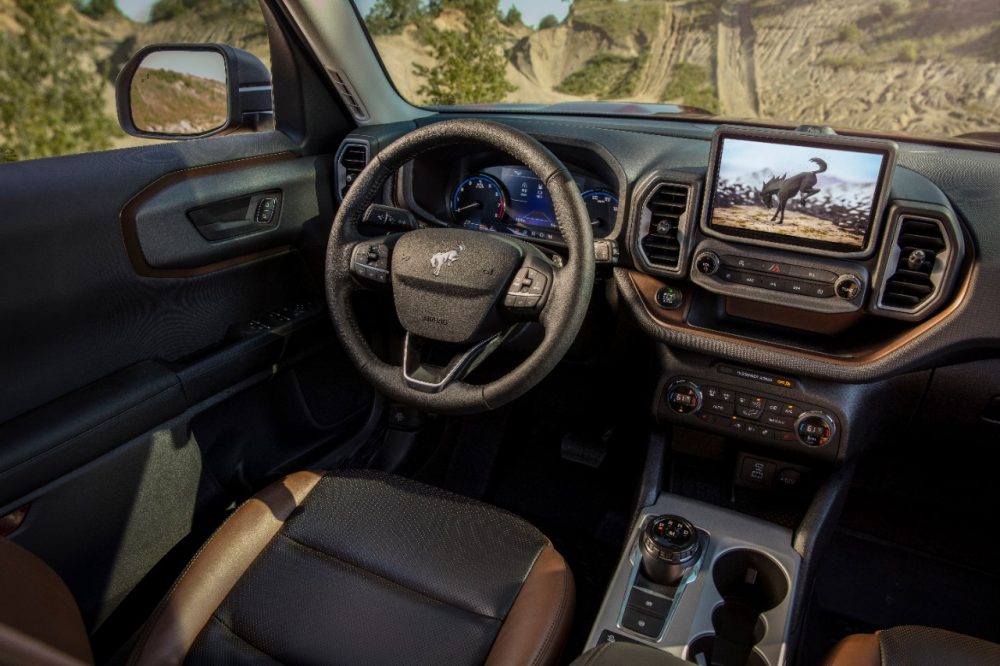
36, 604
217, 567
20, 649
856, 650
538, 623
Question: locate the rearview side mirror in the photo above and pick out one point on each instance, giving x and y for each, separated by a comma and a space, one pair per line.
189, 91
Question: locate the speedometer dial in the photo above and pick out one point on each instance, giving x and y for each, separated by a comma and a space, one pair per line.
478, 202
602, 206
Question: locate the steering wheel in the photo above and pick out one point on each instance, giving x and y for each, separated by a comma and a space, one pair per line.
460, 293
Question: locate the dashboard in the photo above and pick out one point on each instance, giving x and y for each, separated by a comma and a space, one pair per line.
774, 310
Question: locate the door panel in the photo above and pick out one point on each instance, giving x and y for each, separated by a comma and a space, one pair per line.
132, 346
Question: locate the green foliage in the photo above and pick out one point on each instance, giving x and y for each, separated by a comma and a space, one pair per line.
165, 10
50, 96
606, 76
469, 67
907, 52
854, 61
691, 85
849, 33
548, 21
513, 17
391, 16
97, 9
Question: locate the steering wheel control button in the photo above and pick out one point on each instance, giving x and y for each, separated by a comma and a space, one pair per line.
669, 544
527, 289
815, 428
371, 261
669, 298
848, 287
605, 251
684, 397
389, 218
707, 263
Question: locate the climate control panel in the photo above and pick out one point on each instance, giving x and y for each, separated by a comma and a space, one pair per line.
749, 414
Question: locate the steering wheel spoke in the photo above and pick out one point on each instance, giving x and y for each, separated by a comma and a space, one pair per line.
430, 368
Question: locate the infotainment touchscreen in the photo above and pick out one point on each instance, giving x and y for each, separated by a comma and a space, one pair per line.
782, 188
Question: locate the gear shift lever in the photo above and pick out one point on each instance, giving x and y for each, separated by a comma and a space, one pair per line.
669, 545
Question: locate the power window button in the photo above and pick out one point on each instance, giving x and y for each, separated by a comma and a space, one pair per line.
642, 623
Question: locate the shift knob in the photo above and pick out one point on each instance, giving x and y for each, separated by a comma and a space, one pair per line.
669, 545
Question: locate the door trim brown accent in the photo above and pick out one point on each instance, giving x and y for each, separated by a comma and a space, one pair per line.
130, 235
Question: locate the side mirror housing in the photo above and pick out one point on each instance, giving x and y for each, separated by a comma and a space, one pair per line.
190, 91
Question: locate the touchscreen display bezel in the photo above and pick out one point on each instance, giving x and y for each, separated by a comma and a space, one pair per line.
786, 137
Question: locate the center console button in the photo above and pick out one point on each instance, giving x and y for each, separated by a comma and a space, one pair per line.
742, 263
749, 413
809, 273
757, 471
719, 407
684, 397
777, 421
820, 290
642, 623
652, 604
848, 287
815, 428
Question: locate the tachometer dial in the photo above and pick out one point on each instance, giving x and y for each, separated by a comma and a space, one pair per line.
602, 206
478, 202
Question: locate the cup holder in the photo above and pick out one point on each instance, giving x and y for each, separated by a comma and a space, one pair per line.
750, 584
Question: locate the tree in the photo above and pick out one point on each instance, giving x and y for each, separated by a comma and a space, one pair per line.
97, 9
51, 99
513, 17
548, 21
469, 67
391, 16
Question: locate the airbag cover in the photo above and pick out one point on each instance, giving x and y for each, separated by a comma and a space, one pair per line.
446, 282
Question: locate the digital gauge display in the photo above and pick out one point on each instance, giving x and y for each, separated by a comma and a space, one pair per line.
513, 200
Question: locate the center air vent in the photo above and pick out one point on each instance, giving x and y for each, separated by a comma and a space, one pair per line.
660, 225
919, 264
351, 161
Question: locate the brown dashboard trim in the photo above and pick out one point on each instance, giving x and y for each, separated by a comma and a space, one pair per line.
646, 287
130, 235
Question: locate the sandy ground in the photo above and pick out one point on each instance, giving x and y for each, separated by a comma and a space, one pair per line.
796, 224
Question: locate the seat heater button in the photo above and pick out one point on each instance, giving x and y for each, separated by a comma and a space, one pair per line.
642, 623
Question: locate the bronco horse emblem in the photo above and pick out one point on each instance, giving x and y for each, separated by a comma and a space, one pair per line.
786, 188
442, 259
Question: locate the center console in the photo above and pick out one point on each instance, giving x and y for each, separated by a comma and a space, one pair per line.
703, 583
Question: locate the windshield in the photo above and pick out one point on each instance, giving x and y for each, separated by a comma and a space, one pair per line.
927, 67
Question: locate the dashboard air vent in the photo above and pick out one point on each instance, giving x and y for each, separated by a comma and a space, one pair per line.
351, 99
351, 161
660, 240
911, 278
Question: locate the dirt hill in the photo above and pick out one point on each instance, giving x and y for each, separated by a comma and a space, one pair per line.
922, 66
172, 102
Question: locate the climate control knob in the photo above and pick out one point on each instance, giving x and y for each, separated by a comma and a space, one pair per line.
684, 397
707, 263
848, 287
815, 428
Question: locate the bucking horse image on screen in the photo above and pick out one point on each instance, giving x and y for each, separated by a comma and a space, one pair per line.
784, 189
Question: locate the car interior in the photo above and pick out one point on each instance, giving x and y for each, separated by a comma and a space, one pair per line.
351, 380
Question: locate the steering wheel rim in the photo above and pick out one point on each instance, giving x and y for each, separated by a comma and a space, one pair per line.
568, 299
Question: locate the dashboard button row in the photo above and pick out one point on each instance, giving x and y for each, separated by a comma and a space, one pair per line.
751, 428
778, 268
786, 285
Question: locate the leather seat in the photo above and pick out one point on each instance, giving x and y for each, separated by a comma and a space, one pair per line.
365, 568
913, 646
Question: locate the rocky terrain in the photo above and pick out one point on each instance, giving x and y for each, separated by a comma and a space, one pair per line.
921, 66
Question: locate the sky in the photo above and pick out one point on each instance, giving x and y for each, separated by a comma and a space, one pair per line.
533, 10
741, 158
